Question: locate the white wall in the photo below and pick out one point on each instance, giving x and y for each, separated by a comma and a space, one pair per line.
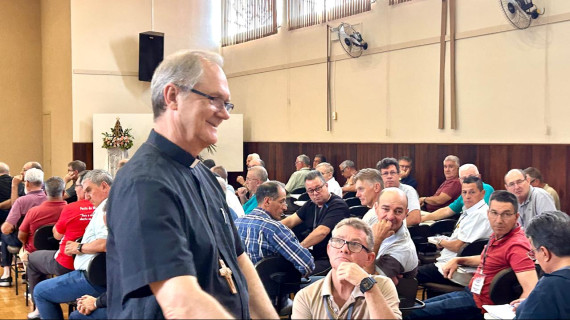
511, 84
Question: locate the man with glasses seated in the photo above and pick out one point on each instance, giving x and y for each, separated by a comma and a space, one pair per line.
390, 172
255, 177
297, 179
348, 291
348, 170
395, 251
549, 235
532, 201
507, 248
317, 218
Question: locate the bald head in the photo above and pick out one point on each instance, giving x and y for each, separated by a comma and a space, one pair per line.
517, 184
392, 207
4, 168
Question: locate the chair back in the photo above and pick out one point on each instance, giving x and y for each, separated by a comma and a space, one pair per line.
358, 211
419, 233
298, 190
352, 202
97, 270
474, 248
44, 240
279, 277
407, 289
350, 194
505, 287
304, 197
442, 227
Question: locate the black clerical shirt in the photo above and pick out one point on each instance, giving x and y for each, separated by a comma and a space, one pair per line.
167, 217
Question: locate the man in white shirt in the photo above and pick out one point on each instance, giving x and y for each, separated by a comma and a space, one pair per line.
472, 225
327, 170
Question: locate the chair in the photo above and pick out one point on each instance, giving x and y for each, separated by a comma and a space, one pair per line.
352, 202
358, 211
407, 290
44, 240
474, 248
280, 279
15, 251
442, 227
350, 194
426, 251
304, 197
505, 287
298, 190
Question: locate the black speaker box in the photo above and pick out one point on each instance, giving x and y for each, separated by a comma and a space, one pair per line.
151, 53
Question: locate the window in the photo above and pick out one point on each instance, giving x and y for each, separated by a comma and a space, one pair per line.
245, 20
304, 13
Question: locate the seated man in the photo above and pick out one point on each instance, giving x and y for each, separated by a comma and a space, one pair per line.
248, 160
255, 177
348, 291
472, 225
70, 226
73, 170
5, 191
507, 248
49, 293
319, 158
297, 179
317, 218
263, 235
448, 190
395, 251
466, 170
35, 196
549, 235
369, 184
18, 185
406, 172
89, 307
348, 170
46, 213
327, 170
532, 201
390, 172
535, 179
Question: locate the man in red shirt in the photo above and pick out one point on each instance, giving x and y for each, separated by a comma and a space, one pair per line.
70, 226
449, 190
507, 248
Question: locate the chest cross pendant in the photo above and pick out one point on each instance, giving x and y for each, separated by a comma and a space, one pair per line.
227, 273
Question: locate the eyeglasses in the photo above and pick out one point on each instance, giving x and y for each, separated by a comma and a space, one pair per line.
317, 189
495, 214
251, 179
391, 173
353, 246
78, 186
532, 254
518, 183
532, 181
217, 102
404, 167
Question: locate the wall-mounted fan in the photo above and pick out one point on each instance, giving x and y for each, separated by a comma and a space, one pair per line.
351, 40
520, 13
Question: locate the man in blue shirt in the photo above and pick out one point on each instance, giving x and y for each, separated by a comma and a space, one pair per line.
466, 170
263, 235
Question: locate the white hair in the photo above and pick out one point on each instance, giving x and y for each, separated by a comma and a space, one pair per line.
34, 176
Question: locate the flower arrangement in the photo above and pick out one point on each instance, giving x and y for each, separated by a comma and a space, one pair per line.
118, 138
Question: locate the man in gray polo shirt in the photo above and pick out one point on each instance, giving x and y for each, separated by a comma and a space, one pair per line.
532, 201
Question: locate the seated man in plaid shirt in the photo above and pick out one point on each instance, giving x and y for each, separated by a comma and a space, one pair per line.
263, 235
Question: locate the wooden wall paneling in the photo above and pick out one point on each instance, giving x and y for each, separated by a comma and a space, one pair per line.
84, 151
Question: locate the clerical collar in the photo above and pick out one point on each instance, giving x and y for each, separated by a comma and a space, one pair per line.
171, 149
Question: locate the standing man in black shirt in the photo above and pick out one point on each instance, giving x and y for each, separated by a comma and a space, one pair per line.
318, 216
173, 250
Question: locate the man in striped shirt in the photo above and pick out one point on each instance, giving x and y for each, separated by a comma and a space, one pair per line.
263, 235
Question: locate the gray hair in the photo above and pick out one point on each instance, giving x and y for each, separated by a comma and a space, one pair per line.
328, 167
514, 170
452, 158
268, 189
220, 171
4, 168
357, 224
305, 159
369, 174
260, 172
98, 176
34, 176
183, 69
55, 187
347, 164
314, 174
254, 155
551, 230
468, 166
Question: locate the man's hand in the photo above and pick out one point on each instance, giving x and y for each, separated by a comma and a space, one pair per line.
241, 193
351, 272
86, 305
449, 268
382, 230
16, 180
71, 175
240, 180
515, 303
71, 248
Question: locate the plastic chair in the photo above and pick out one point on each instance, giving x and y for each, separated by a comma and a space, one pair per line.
350, 194
44, 240
352, 202
358, 211
442, 227
304, 197
407, 290
280, 278
298, 190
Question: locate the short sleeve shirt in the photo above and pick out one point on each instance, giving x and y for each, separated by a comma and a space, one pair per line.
46, 213
168, 217
96, 229
452, 188
412, 195
23, 204
71, 224
537, 202
457, 205
328, 215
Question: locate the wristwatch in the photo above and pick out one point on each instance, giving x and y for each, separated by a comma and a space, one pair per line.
367, 284
79, 247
